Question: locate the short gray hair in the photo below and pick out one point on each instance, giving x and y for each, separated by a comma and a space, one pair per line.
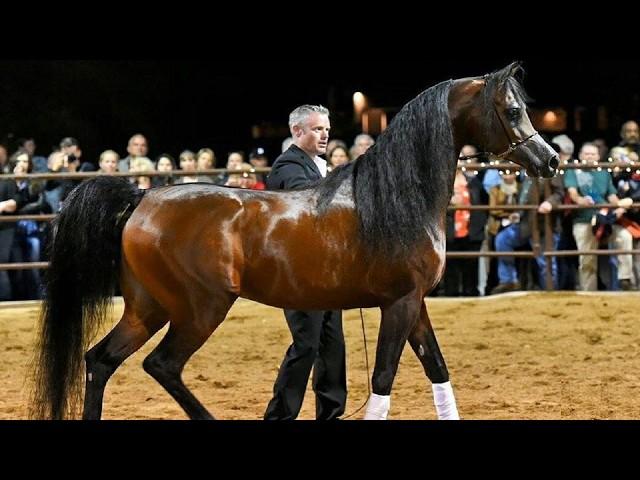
301, 113
565, 144
364, 136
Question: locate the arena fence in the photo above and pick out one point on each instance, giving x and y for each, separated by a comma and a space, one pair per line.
537, 248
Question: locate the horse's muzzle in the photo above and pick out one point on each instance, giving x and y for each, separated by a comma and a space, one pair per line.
552, 167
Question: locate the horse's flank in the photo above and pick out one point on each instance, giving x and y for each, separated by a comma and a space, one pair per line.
270, 247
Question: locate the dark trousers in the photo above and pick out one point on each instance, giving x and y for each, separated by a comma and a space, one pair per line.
318, 342
461, 274
6, 241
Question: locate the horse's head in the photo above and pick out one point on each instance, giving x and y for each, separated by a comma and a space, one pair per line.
503, 125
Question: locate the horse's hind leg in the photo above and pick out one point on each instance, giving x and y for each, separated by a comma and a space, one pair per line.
424, 344
397, 321
133, 331
185, 336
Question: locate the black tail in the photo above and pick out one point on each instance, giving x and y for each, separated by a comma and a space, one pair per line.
84, 262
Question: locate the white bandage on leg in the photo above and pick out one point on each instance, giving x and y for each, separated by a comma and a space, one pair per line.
378, 407
444, 401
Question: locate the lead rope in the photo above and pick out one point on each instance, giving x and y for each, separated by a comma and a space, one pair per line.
366, 361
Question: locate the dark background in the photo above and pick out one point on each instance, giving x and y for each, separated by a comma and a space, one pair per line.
191, 104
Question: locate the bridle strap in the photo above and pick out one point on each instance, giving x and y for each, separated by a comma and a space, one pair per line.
512, 145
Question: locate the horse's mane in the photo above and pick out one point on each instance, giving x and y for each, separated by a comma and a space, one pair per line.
401, 185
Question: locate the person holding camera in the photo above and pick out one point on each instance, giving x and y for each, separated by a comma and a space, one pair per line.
71, 148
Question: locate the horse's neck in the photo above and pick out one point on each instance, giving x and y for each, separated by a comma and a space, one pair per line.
464, 103
464, 96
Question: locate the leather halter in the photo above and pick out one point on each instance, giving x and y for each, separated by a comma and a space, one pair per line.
512, 145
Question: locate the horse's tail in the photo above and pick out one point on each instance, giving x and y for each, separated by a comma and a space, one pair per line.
85, 249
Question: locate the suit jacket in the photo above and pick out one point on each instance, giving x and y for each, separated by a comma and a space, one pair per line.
293, 169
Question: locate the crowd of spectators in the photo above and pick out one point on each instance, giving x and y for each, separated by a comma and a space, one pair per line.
496, 229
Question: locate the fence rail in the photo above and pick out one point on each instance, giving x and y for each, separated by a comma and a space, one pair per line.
547, 252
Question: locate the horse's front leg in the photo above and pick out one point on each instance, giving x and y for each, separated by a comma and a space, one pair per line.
398, 320
424, 344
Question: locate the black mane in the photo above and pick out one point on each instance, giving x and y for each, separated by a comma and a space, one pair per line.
402, 184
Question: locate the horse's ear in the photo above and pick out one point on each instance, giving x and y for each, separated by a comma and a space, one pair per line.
515, 69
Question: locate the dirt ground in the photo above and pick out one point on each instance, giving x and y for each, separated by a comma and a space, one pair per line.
561, 355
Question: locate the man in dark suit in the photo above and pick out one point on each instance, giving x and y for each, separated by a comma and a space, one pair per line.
318, 340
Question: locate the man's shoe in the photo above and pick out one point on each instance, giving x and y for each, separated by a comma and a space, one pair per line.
625, 284
505, 287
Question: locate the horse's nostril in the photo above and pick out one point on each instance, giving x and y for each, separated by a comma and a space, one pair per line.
554, 162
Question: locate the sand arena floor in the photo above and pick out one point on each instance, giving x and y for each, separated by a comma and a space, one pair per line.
561, 355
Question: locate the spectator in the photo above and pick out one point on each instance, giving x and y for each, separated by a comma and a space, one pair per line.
336, 157
187, 164
258, 159
108, 162
205, 160
141, 165
519, 233
164, 163
38, 162
589, 187
361, 144
137, 147
465, 233
234, 160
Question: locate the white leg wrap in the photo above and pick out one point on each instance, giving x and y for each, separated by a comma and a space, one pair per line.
378, 407
445, 401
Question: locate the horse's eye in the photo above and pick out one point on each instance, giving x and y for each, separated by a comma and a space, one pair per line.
513, 113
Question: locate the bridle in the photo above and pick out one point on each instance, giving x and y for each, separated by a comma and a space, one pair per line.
512, 145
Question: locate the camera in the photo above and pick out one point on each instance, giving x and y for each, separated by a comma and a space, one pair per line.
71, 158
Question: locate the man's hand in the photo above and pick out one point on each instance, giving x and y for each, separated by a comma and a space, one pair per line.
625, 202
545, 207
586, 201
619, 212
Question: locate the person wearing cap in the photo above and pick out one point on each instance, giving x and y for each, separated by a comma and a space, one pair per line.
318, 339
258, 159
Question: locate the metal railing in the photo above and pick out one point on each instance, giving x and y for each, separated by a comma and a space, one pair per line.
537, 248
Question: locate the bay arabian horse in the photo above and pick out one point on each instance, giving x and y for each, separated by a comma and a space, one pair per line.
371, 234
